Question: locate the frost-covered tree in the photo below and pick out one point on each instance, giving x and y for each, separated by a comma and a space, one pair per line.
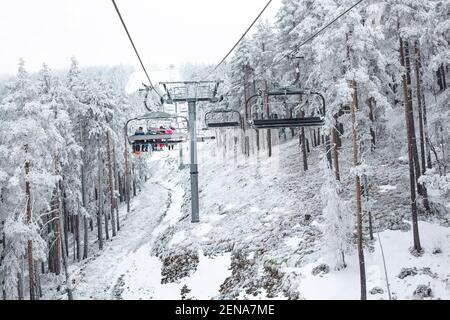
338, 225
29, 140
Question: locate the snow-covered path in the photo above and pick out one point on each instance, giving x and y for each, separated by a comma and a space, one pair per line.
101, 277
126, 268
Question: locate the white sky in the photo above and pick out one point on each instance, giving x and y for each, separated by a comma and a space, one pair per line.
165, 31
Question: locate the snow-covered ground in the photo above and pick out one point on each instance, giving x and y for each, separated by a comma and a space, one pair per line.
255, 240
126, 269
432, 269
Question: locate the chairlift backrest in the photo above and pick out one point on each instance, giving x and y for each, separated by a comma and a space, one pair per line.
288, 122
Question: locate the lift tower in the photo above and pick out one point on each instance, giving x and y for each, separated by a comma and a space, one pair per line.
192, 92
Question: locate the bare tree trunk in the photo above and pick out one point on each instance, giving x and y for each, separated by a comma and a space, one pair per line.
412, 179
86, 238
85, 220
411, 115
58, 238
116, 187
37, 280
334, 135
133, 173
99, 197
314, 138
359, 217
84, 199
426, 204
258, 147
246, 111
20, 294
77, 236
127, 172
29, 222
267, 111
303, 143
366, 195
2, 256
65, 222
328, 149
120, 187
60, 227
372, 120
427, 136
102, 196
111, 185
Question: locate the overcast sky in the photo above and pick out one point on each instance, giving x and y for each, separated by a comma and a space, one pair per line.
165, 31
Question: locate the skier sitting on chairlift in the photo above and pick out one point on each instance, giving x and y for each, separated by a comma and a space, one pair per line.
150, 131
160, 145
170, 131
137, 144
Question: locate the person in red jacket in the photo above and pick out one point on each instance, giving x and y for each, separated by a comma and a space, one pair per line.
161, 130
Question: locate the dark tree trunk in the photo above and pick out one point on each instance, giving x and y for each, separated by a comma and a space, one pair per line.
334, 135
77, 236
359, 217
303, 144
127, 174
20, 293
410, 142
314, 138
366, 195
258, 146
29, 222
111, 185
267, 111
426, 204
65, 221
60, 213
2, 256
119, 181
86, 238
116, 187
411, 115
133, 173
84, 202
370, 102
100, 197
38, 281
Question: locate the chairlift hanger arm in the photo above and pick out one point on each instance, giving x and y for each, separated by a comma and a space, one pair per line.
249, 99
147, 91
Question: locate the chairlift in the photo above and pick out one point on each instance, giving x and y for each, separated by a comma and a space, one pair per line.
312, 121
141, 140
222, 124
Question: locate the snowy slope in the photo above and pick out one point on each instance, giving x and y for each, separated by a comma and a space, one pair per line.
254, 239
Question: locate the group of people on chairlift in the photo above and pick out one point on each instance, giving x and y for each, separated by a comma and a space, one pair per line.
155, 144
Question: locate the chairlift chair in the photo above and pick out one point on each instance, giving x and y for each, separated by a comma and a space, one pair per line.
312, 121
223, 124
164, 138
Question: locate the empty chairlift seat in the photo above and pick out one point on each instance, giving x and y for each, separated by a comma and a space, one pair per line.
230, 119
313, 121
287, 123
